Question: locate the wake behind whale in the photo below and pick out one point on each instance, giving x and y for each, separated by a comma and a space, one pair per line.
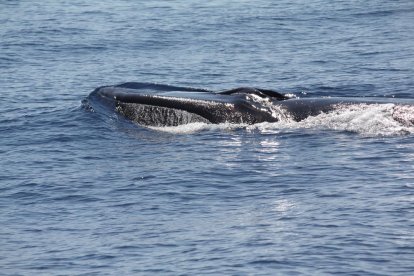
184, 109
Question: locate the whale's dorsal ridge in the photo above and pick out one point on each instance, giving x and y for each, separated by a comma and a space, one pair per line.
264, 93
159, 87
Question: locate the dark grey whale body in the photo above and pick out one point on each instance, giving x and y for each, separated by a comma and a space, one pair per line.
164, 105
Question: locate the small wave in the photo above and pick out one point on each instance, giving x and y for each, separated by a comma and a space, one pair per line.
369, 120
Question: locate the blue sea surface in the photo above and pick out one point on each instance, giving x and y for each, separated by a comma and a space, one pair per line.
86, 193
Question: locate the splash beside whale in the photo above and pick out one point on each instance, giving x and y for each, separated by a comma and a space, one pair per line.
163, 105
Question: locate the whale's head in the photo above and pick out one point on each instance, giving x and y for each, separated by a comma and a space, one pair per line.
163, 105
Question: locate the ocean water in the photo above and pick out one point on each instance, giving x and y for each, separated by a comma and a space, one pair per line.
87, 193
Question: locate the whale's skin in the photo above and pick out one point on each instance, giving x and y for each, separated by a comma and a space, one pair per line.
164, 105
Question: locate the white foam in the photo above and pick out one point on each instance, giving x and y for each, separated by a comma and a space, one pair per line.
197, 127
266, 105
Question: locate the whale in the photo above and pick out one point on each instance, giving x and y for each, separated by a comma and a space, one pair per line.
159, 105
